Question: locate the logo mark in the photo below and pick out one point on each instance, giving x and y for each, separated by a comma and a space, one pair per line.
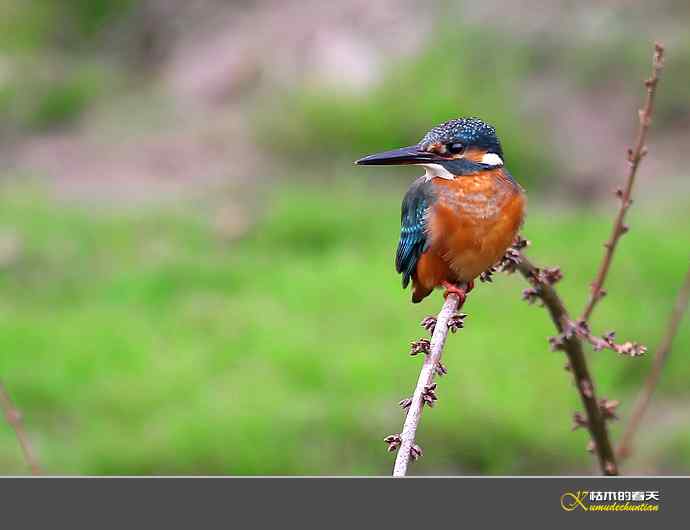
571, 501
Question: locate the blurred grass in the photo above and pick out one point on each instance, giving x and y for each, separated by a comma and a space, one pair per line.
33, 26
43, 97
139, 342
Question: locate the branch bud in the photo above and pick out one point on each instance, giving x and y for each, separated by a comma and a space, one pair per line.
586, 388
416, 452
429, 323
393, 442
456, 322
420, 346
429, 395
608, 408
441, 369
405, 403
579, 421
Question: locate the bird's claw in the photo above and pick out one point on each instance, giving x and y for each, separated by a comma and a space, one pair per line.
460, 292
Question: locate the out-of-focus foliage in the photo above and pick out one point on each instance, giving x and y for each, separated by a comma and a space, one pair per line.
42, 98
616, 62
465, 71
49, 74
39, 24
140, 342
89, 17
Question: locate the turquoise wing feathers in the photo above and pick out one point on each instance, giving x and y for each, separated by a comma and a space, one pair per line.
413, 232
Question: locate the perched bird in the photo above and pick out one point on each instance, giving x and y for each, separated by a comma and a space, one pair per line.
458, 219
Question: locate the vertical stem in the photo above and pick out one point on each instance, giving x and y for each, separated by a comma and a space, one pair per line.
635, 155
14, 419
426, 377
650, 384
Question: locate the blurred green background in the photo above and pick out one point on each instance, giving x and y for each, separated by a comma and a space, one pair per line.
194, 279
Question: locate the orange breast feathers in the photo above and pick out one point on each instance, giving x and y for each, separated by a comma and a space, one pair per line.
473, 221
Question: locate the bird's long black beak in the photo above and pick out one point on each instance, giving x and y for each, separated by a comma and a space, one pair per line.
405, 155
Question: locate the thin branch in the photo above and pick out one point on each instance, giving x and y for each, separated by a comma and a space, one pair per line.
14, 419
446, 320
571, 344
642, 403
635, 155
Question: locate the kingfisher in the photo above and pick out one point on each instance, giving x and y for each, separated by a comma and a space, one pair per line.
460, 217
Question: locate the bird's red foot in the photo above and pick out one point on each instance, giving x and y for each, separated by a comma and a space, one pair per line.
461, 292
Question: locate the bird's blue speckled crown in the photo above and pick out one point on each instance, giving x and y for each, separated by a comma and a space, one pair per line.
468, 131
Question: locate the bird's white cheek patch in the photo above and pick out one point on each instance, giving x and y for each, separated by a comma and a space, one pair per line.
492, 159
437, 170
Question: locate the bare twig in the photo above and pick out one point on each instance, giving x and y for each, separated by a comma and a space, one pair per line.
635, 155
425, 390
572, 333
642, 403
571, 344
606, 341
14, 419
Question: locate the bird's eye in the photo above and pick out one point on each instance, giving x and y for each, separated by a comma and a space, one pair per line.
455, 148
